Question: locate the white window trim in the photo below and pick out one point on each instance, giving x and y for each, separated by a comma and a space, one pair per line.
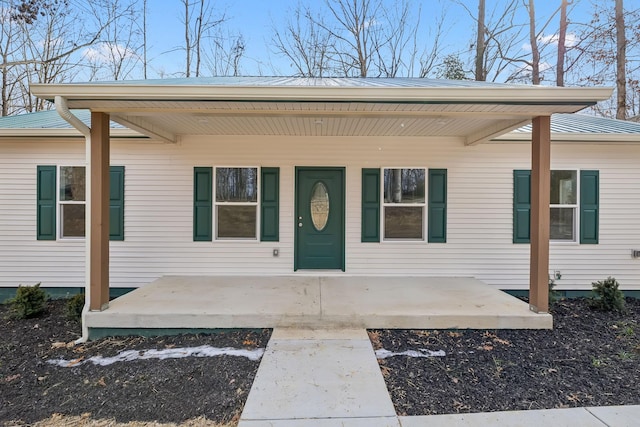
576, 210
60, 203
384, 204
216, 204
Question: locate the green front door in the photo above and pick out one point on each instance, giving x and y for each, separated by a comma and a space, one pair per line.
319, 218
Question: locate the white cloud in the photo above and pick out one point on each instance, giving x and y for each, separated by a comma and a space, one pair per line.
106, 52
570, 40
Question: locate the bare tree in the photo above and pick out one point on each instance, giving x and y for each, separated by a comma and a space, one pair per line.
39, 39
199, 22
562, 42
358, 38
533, 40
611, 53
116, 56
498, 41
480, 71
621, 62
224, 53
304, 42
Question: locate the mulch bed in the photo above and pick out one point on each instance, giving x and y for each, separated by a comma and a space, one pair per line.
590, 358
171, 390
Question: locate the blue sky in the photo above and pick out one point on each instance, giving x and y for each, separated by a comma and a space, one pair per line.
255, 18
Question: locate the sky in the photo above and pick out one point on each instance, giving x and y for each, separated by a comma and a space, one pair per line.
256, 18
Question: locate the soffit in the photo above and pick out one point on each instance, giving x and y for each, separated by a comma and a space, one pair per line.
325, 107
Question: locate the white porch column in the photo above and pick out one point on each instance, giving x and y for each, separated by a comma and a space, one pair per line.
540, 220
99, 213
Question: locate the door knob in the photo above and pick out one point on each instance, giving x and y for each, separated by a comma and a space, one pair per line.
299, 224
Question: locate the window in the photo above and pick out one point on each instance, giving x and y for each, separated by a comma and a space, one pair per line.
574, 206
236, 203
72, 201
563, 204
61, 202
403, 203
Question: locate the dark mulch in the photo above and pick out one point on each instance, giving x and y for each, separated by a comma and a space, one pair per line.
171, 390
590, 358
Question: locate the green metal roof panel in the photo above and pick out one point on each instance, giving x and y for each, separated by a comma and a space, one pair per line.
584, 124
49, 119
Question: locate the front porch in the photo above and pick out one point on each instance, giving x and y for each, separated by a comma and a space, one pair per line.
174, 303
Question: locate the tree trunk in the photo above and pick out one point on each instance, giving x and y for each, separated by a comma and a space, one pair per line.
621, 62
187, 39
480, 45
562, 48
144, 39
533, 40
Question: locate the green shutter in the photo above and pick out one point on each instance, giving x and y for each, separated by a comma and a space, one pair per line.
589, 206
437, 206
521, 206
202, 203
46, 203
270, 205
370, 205
116, 203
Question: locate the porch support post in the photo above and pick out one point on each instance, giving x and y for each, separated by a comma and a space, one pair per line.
540, 221
99, 211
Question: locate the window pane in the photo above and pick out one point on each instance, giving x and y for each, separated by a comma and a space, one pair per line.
404, 185
72, 220
563, 187
72, 183
236, 221
403, 223
562, 220
236, 185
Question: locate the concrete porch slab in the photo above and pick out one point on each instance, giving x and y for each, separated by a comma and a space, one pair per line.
319, 378
213, 302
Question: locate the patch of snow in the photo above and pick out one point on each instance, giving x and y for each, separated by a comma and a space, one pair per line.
169, 353
422, 352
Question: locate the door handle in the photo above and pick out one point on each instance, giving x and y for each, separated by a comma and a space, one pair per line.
299, 224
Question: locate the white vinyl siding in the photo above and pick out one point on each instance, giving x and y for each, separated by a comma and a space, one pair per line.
159, 216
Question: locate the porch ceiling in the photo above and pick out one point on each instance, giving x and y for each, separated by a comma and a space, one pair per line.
360, 107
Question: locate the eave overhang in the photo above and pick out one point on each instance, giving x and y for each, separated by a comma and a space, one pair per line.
475, 113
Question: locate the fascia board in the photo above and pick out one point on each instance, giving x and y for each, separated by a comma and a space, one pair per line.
520, 95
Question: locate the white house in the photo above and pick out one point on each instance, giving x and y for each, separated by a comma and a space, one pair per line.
277, 176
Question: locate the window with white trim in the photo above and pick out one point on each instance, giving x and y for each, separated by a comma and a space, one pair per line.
71, 201
564, 205
236, 202
404, 203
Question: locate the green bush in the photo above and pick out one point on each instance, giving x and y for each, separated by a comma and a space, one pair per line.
554, 295
28, 302
606, 296
75, 304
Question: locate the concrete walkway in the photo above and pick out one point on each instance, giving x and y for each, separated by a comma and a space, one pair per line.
324, 378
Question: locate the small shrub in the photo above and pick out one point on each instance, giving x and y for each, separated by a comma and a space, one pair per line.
28, 302
606, 296
74, 307
554, 295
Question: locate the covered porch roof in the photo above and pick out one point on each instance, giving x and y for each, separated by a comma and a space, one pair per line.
167, 109
473, 112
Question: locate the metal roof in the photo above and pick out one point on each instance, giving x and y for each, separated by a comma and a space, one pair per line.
49, 119
355, 82
585, 124
564, 127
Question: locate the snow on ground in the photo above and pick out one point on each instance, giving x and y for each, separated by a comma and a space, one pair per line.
169, 353
422, 352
